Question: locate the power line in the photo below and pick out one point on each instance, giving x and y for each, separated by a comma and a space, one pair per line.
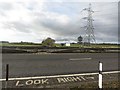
89, 28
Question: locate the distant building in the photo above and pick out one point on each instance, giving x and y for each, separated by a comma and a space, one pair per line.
67, 44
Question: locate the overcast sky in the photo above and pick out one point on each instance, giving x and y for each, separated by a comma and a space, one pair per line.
35, 20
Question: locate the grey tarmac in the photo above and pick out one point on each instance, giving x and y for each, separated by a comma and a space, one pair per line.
25, 65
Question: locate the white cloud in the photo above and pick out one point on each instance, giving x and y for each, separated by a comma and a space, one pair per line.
61, 19
33, 20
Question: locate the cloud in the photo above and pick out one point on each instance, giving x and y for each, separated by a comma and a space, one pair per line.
36, 20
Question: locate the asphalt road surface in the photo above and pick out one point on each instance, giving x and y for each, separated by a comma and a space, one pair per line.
22, 65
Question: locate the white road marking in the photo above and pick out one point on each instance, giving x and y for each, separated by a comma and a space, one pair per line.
77, 59
90, 78
83, 78
56, 76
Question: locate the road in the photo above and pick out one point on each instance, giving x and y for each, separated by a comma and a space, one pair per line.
64, 81
23, 65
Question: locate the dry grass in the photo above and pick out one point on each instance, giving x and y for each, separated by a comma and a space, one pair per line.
94, 85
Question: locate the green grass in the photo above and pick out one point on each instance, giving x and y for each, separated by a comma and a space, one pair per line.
18, 44
105, 46
91, 46
59, 45
71, 45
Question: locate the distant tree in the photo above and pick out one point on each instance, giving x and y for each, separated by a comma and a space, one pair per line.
49, 42
80, 39
62, 44
4, 41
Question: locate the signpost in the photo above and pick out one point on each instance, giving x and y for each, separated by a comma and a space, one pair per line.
7, 74
100, 76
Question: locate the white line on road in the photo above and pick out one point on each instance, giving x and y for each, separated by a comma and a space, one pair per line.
77, 59
55, 76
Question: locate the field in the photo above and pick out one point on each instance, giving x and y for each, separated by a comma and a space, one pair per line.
59, 45
19, 44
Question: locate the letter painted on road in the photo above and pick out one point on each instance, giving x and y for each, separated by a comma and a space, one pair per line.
68, 79
19, 84
29, 82
83, 78
76, 79
45, 81
59, 80
37, 82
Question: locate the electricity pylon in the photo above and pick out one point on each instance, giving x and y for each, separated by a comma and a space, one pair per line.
89, 28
